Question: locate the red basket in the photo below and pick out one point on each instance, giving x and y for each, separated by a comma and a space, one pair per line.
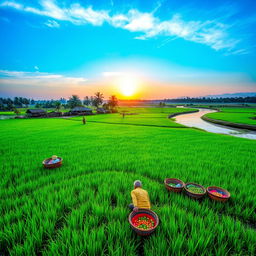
143, 213
51, 166
223, 196
176, 181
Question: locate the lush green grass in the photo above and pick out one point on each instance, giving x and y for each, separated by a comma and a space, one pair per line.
11, 113
81, 208
140, 116
23, 111
238, 110
235, 115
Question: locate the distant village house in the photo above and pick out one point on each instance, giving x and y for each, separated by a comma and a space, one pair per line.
79, 111
102, 111
36, 113
54, 114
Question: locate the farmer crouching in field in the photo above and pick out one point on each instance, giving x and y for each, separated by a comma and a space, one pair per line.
140, 197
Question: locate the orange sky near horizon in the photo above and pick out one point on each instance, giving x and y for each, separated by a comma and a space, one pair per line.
146, 90
157, 81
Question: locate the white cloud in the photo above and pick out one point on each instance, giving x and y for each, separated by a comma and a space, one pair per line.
44, 76
38, 77
12, 73
209, 32
119, 20
88, 15
240, 51
140, 22
53, 10
24, 74
12, 4
52, 24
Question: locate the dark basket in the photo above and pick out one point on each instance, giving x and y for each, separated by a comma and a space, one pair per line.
141, 232
192, 194
51, 166
174, 189
216, 197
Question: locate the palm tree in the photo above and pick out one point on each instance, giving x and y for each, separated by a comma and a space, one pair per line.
87, 101
112, 102
58, 105
74, 101
98, 99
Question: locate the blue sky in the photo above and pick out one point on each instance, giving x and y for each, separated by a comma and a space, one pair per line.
181, 48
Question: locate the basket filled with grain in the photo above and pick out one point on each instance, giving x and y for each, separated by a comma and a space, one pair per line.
194, 190
174, 185
218, 194
143, 222
53, 162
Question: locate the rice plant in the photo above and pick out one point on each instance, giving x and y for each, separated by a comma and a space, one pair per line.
81, 208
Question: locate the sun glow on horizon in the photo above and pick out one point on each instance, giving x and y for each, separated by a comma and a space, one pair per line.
128, 86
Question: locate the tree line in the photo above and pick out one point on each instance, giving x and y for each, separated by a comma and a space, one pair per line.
213, 100
95, 101
74, 101
9, 104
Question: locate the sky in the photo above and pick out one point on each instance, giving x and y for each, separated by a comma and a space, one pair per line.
133, 49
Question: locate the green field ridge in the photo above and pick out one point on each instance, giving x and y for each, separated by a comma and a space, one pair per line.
243, 118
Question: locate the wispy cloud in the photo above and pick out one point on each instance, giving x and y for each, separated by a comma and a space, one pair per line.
52, 24
12, 4
39, 77
81, 15
211, 32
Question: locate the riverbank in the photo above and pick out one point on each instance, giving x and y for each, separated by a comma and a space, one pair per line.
182, 113
230, 124
242, 118
195, 120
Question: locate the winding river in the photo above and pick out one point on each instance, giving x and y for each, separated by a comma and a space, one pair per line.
194, 120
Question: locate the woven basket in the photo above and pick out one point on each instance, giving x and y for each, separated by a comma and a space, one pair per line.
52, 166
174, 189
217, 197
192, 194
139, 231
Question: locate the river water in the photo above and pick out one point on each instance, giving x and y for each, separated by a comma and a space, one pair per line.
194, 120
3, 117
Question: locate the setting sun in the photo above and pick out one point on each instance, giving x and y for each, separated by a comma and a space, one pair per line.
128, 86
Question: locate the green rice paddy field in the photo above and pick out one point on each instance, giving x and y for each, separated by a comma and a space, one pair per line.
23, 111
139, 116
81, 208
236, 115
